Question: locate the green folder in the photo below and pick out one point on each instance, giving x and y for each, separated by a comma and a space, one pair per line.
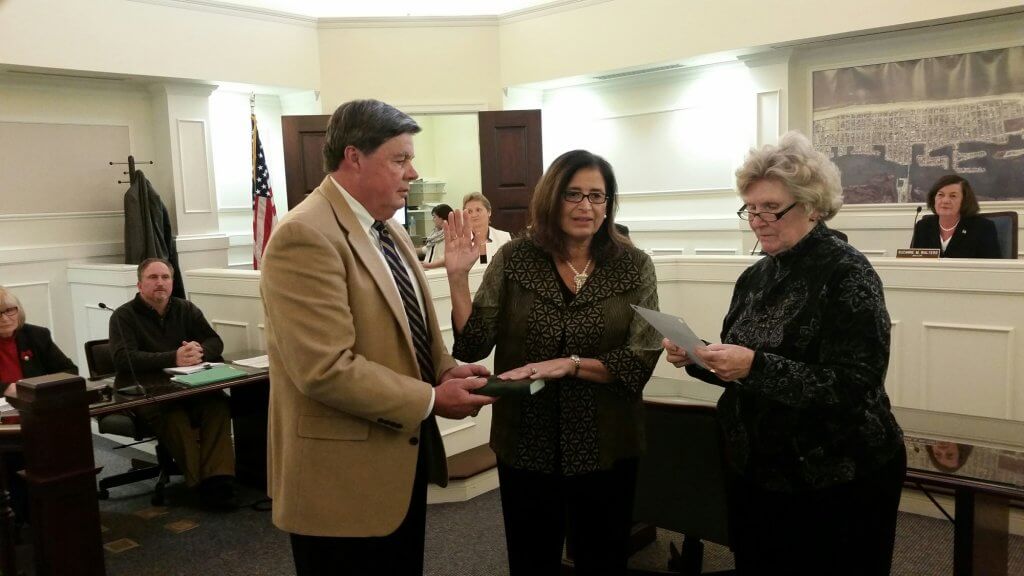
215, 374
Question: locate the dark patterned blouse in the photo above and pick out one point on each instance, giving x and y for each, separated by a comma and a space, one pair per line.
813, 411
523, 309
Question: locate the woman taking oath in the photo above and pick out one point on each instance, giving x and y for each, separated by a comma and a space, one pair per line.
815, 456
555, 305
955, 229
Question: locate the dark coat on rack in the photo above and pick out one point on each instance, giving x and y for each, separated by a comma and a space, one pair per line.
147, 229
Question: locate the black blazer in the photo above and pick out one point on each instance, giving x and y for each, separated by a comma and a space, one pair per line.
975, 237
44, 357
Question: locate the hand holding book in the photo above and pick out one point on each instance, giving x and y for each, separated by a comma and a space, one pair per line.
497, 387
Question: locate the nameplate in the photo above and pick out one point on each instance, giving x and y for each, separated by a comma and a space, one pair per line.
917, 253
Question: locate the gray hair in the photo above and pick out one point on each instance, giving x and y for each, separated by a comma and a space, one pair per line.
476, 197
365, 124
7, 298
809, 175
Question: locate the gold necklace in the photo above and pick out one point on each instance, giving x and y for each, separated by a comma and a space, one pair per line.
580, 278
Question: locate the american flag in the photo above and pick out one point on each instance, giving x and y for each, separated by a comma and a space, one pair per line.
264, 215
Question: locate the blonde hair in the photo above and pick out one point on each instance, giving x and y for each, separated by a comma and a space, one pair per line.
7, 298
809, 175
476, 197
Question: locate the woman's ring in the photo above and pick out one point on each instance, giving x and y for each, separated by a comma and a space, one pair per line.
533, 370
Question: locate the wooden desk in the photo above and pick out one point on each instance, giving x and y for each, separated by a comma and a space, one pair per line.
157, 388
984, 481
250, 396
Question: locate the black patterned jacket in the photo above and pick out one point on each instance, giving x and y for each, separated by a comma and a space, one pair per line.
572, 426
813, 412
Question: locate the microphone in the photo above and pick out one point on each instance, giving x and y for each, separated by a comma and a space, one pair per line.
754, 249
917, 214
137, 389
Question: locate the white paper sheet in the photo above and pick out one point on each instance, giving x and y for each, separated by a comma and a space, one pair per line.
675, 329
255, 362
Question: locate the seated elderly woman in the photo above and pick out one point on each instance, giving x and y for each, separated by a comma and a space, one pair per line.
477, 208
955, 229
25, 351
816, 459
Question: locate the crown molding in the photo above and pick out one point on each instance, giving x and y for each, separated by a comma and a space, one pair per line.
409, 22
229, 9
548, 9
235, 10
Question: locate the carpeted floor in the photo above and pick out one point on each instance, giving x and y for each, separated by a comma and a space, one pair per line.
463, 539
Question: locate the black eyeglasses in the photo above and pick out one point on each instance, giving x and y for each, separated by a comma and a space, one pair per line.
10, 312
745, 214
575, 196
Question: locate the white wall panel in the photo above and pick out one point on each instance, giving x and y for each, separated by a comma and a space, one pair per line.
968, 369
195, 168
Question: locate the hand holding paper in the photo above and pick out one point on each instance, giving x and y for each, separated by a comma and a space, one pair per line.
728, 361
676, 330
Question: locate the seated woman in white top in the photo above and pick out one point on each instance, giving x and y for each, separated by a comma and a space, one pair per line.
478, 210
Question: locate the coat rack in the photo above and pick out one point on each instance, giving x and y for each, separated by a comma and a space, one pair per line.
131, 169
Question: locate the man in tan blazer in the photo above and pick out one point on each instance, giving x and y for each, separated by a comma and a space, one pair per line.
352, 435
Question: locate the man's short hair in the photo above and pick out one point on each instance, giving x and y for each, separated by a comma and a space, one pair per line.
145, 264
365, 124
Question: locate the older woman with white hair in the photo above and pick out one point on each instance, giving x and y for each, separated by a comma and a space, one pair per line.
25, 351
816, 457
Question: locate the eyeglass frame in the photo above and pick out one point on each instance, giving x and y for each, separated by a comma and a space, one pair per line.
588, 196
751, 215
11, 312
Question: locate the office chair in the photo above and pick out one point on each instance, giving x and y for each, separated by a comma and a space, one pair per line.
681, 479
101, 365
1006, 232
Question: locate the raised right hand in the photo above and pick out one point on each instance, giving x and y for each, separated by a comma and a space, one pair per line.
452, 398
460, 249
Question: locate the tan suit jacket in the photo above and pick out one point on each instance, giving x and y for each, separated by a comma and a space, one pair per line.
346, 402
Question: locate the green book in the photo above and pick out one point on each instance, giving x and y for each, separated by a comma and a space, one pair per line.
209, 376
497, 387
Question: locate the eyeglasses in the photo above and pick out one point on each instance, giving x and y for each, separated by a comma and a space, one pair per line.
745, 214
575, 196
10, 312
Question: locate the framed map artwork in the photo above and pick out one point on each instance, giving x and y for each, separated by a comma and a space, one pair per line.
895, 128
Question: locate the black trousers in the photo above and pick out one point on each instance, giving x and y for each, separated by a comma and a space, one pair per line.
399, 553
848, 529
595, 509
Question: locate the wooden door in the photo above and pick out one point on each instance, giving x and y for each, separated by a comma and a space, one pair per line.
303, 140
511, 162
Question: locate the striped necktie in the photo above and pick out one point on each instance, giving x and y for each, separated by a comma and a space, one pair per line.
420, 336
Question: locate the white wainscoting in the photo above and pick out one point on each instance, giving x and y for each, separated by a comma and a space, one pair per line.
36, 251
954, 368
90, 284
